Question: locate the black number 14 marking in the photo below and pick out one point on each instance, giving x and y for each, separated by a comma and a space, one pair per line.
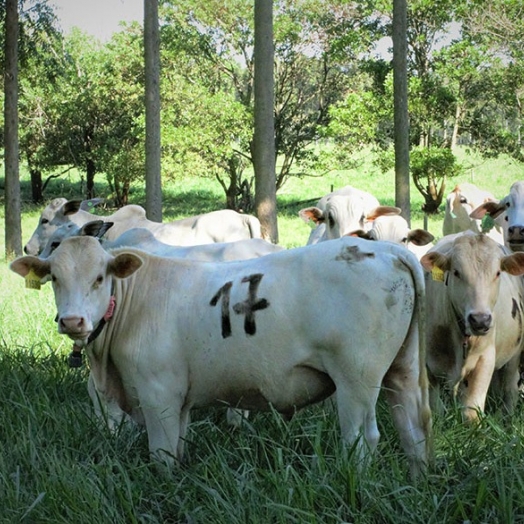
247, 307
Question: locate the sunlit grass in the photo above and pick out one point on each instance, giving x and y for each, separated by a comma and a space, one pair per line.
58, 465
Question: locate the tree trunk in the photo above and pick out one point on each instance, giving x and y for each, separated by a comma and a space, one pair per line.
90, 179
456, 124
36, 186
13, 217
264, 157
401, 118
152, 95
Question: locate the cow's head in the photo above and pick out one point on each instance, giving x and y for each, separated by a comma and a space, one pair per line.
82, 273
395, 228
95, 228
58, 213
510, 212
472, 265
344, 214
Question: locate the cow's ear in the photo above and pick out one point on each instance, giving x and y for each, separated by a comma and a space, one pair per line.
493, 208
383, 211
89, 205
360, 233
24, 265
95, 228
434, 260
71, 207
513, 264
312, 213
420, 237
124, 265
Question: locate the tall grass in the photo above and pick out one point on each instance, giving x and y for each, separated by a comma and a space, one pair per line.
58, 465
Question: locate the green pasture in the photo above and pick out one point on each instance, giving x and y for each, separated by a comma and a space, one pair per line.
58, 465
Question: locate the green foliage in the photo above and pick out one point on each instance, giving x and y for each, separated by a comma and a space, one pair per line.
430, 168
81, 103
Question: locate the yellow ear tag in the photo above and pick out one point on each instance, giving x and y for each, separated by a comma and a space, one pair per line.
32, 281
437, 274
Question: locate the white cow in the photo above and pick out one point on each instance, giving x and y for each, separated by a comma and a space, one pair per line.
474, 318
251, 334
340, 212
144, 239
510, 213
224, 225
460, 203
394, 228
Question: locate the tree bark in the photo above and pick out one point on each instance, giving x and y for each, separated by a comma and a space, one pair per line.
152, 96
13, 216
90, 179
36, 186
401, 118
264, 158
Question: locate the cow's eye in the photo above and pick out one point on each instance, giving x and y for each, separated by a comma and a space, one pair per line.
54, 245
53, 278
463, 200
404, 240
506, 219
331, 221
498, 274
44, 221
99, 280
456, 273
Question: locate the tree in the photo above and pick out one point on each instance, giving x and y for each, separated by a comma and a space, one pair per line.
13, 220
90, 113
264, 135
401, 121
152, 99
315, 46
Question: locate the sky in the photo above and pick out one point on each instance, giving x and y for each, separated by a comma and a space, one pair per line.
99, 18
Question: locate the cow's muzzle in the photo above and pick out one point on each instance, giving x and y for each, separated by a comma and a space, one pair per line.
516, 238
76, 327
479, 323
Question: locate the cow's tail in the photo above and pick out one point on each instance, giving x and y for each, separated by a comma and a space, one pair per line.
417, 272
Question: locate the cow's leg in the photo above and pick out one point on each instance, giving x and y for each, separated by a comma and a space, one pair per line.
106, 409
411, 416
357, 418
406, 389
506, 381
164, 422
476, 384
235, 416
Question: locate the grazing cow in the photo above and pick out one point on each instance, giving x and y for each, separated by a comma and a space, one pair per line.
474, 318
394, 228
217, 226
252, 334
460, 203
510, 213
340, 212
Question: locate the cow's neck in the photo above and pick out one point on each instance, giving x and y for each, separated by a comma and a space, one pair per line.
461, 324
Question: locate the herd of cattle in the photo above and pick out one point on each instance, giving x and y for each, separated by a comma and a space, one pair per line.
203, 311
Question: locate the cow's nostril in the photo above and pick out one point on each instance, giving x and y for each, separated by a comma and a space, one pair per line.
72, 324
480, 322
